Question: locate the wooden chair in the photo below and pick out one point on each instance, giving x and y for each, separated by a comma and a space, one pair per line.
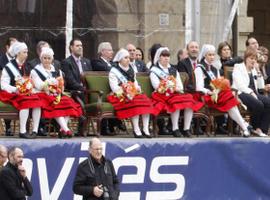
96, 105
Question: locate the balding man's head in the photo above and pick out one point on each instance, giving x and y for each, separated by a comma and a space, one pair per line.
132, 51
95, 149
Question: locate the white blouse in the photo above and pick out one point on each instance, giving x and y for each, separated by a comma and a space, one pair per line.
155, 81
114, 81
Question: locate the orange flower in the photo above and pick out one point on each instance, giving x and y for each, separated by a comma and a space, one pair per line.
24, 85
55, 88
221, 83
129, 91
167, 86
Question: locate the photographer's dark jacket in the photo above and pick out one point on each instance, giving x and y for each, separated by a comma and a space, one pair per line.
90, 174
13, 185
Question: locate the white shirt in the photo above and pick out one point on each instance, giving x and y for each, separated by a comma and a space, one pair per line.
155, 81
114, 81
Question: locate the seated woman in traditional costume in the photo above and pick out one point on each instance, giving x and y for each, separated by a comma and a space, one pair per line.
17, 89
169, 93
127, 100
247, 80
50, 83
216, 90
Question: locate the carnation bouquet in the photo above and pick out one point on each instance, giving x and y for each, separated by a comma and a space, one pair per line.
24, 85
54, 87
127, 92
218, 85
167, 86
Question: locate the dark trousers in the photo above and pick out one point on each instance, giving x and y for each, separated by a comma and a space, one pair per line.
260, 110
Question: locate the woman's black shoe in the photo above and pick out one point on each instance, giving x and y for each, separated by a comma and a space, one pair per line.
25, 135
177, 133
186, 133
137, 136
146, 135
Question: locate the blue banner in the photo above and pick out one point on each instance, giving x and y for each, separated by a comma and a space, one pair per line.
155, 169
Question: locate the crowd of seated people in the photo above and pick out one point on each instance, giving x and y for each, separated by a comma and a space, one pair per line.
39, 87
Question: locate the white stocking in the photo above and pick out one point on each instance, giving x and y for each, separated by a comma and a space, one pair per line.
36, 113
62, 122
23, 115
188, 114
145, 120
135, 123
175, 119
236, 116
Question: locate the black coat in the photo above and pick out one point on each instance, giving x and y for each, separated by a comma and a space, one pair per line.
3, 61
101, 65
90, 174
12, 185
72, 74
186, 66
141, 66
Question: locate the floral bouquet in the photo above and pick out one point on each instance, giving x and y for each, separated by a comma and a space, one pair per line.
54, 87
24, 85
218, 85
167, 86
128, 91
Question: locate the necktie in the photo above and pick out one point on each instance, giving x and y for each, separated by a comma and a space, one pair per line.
79, 64
194, 65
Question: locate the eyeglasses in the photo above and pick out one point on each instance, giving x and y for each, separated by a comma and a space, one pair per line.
97, 149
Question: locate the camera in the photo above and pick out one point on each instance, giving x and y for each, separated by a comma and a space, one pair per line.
106, 195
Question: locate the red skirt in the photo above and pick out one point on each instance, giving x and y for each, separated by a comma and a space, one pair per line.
20, 101
225, 101
174, 102
139, 105
66, 107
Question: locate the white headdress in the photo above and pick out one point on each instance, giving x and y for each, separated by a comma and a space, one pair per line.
205, 49
120, 55
16, 47
158, 53
46, 51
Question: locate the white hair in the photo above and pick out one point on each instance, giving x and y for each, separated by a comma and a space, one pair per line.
46, 51
16, 47
104, 45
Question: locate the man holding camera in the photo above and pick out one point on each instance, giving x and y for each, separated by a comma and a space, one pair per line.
95, 177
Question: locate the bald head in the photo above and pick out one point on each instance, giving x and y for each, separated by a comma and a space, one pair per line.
132, 51
95, 149
3, 155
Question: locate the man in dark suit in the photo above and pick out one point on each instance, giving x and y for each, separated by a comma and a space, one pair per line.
137, 65
104, 63
105, 56
14, 183
73, 67
188, 64
4, 59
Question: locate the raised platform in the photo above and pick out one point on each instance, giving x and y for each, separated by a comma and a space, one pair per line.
152, 169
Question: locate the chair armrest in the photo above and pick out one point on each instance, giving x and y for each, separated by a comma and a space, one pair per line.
98, 92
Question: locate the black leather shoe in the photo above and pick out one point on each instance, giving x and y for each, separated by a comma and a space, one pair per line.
137, 136
163, 131
221, 131
106, 131
187, 133
122, 127
146, 135
34, 134
177, 133
8, 132
41, 132
25, 135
